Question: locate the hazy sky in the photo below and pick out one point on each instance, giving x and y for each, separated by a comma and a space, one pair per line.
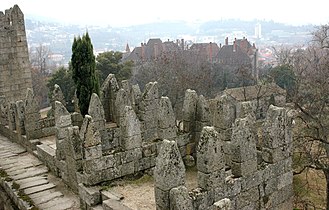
130, 12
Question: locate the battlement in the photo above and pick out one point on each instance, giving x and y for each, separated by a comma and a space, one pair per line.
15, 70
241, 162
12, 18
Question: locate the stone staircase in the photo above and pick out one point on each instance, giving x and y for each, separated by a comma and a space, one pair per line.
26, 180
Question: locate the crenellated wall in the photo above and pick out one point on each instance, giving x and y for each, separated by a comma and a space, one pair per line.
242, 163
254, 177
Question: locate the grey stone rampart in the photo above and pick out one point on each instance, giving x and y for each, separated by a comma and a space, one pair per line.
15, 70
240, 179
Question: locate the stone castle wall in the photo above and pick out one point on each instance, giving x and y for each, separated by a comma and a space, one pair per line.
15, 71
242, 162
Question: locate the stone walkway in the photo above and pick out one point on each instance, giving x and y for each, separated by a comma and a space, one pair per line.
46, 191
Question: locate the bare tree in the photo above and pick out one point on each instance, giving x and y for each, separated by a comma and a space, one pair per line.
311, 99
39, 59
175, 72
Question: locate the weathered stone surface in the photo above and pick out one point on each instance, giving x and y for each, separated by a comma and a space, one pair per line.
90, 195
169, 171
243, 148
111, 195
62, 116
224, 204
40, 188
15, 71
166, 113
47, 197
130, 130
20, 117
189, 110
114, 205
89, 133
57, 96
202, 110
179, 199
108, 91
244, 109
274, 127
96, 111
223, 112
122, 100
210, 155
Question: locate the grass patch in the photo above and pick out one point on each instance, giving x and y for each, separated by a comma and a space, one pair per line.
3, 173
15, 186
26, 198
310, 190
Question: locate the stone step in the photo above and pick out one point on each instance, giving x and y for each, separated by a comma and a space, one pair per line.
36, 171
40, 194
19, 167
31, 179
40, 188
34, 183
57, 203
47, 197
8, 156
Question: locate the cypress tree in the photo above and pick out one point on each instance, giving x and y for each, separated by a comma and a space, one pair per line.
84, 74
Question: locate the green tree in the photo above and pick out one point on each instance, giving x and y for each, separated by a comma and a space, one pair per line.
284, 77
110, 63
63, 78
84, 73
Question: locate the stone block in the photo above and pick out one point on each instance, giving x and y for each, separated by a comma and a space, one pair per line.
274, 155
247, 198
244, 169
114, 205
93, 152
95, 164
61, 133
224, 204
252, 180
167, 133
48, 156
148, 150
150, 134
210, 155
179, 199
285, 180
91, 195
212, 180
243, 152
270, 186
232, 187
169, 171
127, 168
131, 142
111, 195
142, 164
63, 121
161, 199
131, 155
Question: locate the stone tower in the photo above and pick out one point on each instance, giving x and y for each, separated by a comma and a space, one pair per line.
15, 69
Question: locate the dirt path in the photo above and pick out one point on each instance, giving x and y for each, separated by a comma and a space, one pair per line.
139, 194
